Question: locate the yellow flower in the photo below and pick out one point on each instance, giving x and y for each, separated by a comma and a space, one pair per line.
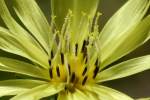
70, 56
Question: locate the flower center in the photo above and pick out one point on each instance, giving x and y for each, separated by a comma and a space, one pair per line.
75, 58
74, 68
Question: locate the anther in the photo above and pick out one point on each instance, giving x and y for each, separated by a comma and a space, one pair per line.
62, 58
96, 63
49, 62
84, 71
85, 52
73, 77
83, 46
52, 55
57, 39
76, 49
86, 59
84, 80
96, 71
51, 72
69, 69
58, 71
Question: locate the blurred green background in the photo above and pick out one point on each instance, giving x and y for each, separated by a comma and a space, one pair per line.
137, 85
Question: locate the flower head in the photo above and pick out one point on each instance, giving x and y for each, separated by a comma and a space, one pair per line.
69, 56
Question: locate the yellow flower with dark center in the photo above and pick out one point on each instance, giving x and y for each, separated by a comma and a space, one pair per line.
69, 57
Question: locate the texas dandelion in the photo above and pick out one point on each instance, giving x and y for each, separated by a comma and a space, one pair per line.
69, 56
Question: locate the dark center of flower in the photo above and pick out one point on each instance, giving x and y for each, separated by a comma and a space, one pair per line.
74, 68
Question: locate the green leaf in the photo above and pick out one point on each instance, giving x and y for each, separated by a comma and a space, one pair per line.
40, 92
33, 18
105, 93
22, 47
124, 31
125, 69
13, 87
16, 66
13, 26
60, 9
